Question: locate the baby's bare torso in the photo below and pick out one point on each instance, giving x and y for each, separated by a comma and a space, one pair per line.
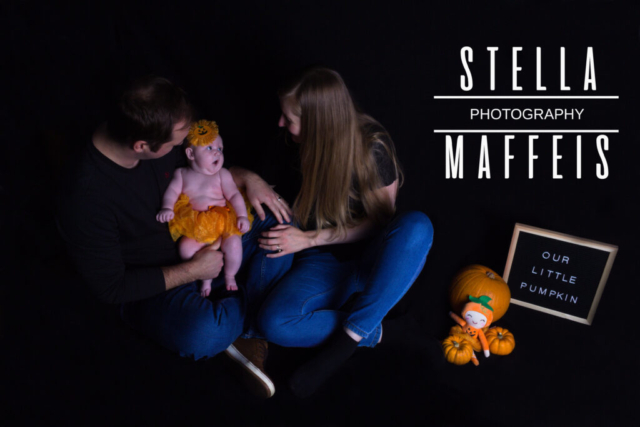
203, 190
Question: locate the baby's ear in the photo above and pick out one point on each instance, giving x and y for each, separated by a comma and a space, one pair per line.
189, 152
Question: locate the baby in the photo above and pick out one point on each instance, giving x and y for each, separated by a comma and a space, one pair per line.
203, 204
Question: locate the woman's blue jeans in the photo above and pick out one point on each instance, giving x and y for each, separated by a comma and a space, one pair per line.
192, 326
304, 308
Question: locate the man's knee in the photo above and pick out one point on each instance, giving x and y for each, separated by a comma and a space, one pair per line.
204, 337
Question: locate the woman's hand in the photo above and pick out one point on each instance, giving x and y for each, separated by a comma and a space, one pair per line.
258, 192
286, 239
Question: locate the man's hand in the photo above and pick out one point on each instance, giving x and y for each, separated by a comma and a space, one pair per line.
165, 215
207, 262
243, 224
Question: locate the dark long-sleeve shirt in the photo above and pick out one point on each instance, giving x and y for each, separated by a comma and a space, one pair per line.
106, 215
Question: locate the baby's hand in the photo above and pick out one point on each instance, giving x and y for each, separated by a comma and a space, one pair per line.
243, 224
165, 215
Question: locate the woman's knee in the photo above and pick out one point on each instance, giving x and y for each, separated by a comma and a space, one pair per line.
269, 322
274, 324
415, 227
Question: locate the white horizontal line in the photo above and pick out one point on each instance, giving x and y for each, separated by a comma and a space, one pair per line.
528, 97
525, 131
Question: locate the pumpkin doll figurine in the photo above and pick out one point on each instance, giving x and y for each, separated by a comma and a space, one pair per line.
477, 314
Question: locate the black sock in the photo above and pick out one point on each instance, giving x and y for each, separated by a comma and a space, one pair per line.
307, 378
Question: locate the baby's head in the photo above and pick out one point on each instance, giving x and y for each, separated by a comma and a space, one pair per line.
204, 147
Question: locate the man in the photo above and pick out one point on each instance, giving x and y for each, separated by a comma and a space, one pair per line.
107, 216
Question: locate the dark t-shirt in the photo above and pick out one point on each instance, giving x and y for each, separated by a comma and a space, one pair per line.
386, 172
384, 164
107, 213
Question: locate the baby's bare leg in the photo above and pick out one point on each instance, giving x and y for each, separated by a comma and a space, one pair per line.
187, 248
205, 289
232, 250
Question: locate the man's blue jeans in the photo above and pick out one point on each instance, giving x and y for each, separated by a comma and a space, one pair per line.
303, 309
184, 322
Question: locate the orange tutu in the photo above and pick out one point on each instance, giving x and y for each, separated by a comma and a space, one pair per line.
207, 226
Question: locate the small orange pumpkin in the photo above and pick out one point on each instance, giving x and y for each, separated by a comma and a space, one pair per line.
475, 281
457, 350
500, 340
475, 342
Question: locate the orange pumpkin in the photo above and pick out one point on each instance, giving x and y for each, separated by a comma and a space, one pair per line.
500, 340
457, 350
476, 281
475, 342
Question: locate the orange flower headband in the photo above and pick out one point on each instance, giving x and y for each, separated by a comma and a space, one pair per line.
202, 133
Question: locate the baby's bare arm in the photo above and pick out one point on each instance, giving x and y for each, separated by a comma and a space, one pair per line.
173, 190
170, 196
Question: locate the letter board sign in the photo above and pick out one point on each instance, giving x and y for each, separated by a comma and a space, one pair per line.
556, 273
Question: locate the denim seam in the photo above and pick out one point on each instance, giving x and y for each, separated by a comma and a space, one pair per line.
376, 336
302, 313
263, 269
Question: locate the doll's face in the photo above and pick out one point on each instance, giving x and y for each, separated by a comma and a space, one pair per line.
475, 319
207, 160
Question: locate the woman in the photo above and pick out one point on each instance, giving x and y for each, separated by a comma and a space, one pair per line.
350, 178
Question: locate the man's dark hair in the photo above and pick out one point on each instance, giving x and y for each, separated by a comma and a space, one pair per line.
147, 111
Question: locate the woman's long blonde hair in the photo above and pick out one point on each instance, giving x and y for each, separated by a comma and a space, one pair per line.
337, 154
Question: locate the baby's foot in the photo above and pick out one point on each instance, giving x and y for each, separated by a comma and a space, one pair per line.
205, 289
230, 282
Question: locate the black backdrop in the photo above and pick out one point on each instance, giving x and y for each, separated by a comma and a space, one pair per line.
72, 363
